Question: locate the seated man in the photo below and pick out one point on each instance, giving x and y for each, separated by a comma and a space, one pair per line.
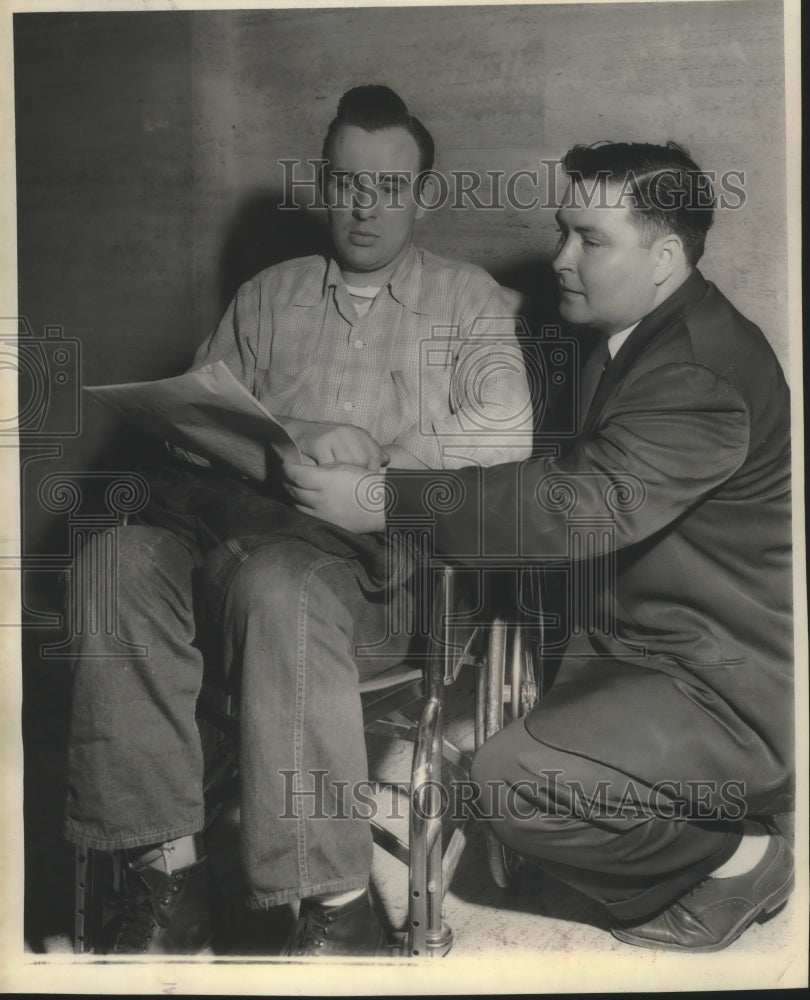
333, 347
648, 775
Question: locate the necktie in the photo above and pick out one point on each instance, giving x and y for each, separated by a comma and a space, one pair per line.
591, 377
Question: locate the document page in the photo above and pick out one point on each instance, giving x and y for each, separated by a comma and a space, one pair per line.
207, 411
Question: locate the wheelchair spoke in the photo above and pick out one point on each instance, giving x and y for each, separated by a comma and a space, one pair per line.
495, 670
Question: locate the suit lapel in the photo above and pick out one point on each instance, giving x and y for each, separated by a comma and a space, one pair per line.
670, 311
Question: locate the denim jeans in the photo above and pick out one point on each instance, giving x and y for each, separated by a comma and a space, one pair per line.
294, 622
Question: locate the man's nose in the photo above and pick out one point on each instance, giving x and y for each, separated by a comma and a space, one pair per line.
563, 261
363, 205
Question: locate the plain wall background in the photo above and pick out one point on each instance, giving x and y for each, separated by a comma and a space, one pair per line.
148, 148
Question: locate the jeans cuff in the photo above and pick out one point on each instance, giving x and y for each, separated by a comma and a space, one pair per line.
266, 901
76, 833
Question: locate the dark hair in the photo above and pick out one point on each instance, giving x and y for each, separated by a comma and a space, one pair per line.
373, 107
671, 194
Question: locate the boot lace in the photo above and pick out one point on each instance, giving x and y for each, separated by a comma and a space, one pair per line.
138, 916
310, 934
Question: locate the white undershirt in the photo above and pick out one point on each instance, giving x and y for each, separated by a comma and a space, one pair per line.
362, 297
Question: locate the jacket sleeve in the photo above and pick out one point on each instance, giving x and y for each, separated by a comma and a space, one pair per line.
664, 442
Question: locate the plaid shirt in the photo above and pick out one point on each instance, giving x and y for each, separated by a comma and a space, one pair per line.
433, 366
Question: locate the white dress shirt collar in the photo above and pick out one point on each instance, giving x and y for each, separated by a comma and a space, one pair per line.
615, 340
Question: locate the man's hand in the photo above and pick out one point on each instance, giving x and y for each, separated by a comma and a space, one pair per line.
329, 444
346, 495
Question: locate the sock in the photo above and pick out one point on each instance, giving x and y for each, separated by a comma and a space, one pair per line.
337, 898
749, 853
166, 857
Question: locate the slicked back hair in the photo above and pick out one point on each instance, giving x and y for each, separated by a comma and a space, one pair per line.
669, 192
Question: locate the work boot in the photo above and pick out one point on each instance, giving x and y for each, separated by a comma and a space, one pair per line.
350, 929
167, 914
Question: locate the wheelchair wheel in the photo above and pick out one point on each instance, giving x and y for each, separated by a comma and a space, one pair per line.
507, 690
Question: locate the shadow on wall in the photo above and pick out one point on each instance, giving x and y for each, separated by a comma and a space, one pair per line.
535, 280
536, 298
262, 234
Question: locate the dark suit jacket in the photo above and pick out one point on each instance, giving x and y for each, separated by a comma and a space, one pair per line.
682, 471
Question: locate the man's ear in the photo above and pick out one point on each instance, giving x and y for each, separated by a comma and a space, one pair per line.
427, 193
670, 257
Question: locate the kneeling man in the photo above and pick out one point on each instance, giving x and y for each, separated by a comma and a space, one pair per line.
648, 776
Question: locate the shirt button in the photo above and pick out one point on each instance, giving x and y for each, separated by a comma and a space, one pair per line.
359, 343
348, 406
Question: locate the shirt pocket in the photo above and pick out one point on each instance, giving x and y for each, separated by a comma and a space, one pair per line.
421, 397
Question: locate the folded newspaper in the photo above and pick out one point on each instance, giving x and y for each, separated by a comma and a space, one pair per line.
207, 411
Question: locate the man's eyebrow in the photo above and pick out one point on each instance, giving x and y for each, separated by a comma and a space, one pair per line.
590, 231
587, 230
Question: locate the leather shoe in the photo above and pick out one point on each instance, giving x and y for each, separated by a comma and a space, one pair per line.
162, 914
716, 911
350, 929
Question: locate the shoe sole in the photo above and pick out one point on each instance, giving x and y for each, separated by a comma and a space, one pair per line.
760, 914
